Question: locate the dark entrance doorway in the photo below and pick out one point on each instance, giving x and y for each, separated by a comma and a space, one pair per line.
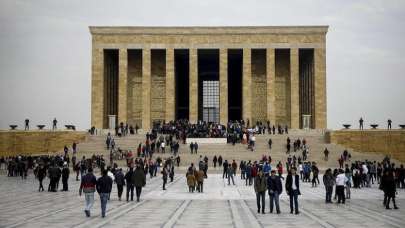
235, 58
208, 85
181, 67
110, 85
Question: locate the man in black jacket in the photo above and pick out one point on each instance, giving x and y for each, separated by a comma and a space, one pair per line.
104, 186
275, 188
65, 177
120, 181
130, 183
139, 181
293, 189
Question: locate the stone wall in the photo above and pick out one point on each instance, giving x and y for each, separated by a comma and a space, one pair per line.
158, 86
387, 142
259, 86
135, 87
37, 142
282, 94
146, 104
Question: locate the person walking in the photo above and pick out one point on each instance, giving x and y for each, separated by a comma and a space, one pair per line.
389, 187
129, 178
195, 147
164, 172
200, 180
260, 185
275, 188
292, 187
230, 174
104, 186
120, 181
341, 180
88, 186
139, 181
225, 170
329, 182
389, 124
41, 174
190, 180
65, 177
191, 147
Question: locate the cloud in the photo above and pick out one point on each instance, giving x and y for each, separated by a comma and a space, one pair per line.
45, 62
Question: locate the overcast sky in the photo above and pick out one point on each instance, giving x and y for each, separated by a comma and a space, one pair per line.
45, 51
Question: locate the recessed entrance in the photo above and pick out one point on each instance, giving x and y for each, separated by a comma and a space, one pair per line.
208, 85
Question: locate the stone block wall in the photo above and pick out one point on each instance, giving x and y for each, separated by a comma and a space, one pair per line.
158, 86
387, 142
135, 87
282, 94
259, 86
37, 142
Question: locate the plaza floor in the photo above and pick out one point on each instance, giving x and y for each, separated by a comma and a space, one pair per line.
220, 205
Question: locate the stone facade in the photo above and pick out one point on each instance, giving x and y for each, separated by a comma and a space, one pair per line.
390, 142
37, 142
270, 72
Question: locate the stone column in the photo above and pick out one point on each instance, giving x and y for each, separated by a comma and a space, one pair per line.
146, 87
294, 88
247, 85
320, 87
170, 85
271, 85
97, 88
193, 106
123, 86
223, 86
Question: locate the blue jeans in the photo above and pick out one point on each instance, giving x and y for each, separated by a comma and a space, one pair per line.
294, 197
89, 197
103, 202
274, 199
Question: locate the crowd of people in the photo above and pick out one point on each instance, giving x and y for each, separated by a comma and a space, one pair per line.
158, 155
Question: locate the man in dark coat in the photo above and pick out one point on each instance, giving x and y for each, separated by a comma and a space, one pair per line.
65, 177
41, 173
104, 186
129, 178
260, 186
293, 189
275, 188
120, 181
389, 187
139, 180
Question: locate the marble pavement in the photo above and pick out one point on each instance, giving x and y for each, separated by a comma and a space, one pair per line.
221, 205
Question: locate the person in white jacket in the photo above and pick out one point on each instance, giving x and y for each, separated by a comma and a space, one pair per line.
341, 180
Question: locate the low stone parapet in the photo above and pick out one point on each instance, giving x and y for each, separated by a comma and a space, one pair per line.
206, 140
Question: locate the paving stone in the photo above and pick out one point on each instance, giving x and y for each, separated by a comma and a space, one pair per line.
221, 205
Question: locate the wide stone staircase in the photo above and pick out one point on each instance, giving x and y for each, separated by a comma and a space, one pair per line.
238, 152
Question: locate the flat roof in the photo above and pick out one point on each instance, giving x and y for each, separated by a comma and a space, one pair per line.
207, 30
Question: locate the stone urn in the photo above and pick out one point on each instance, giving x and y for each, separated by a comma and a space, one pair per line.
346, 126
